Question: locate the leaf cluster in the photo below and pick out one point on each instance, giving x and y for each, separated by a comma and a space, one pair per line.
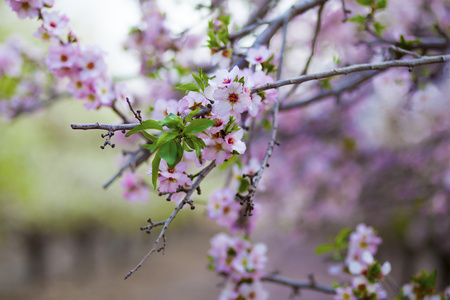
171, 144
202, 81
337, 245
218, 33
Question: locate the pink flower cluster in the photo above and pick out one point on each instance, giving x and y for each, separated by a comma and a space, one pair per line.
84, 67
171, 179
242, 263
151, 38
134, 187
363, 245
28, 8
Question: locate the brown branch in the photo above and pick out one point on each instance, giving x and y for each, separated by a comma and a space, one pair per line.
298, 285
295, 10
340, 87
316, 34
186, 200
354, 68
108, 127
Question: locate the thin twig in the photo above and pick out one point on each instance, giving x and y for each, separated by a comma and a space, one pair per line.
128, 163
185, 200
310, 285
345, 10
354, 68
403, 51
316, 34
339, 88
258, 175
313, 45
108, 127
295, 10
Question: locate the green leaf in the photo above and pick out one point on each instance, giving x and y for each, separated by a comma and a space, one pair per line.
164, 138
244, 184
168, 119
324, 248
189, 142
151, 124
365, 2
147, 124
189, 87
198, 125
179, 157
8, 86
155, 168
325, 83
176, 123
358, 19
378, 28
197, 141
381, 4
191, 115
149, 136
168, 152
199, 81
342, 236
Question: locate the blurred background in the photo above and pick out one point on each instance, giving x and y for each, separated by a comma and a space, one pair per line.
62, 236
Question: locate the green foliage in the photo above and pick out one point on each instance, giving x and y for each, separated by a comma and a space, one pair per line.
170, 145
202, 82
361, 20
268, 66
218, 33
189, 87
326, 84
8, 86
243, 185
426, 281
374, 4
378, 28
337, 246
403, 43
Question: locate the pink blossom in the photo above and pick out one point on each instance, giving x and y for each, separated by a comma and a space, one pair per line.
233, 98
254, 291
171, 179
104, 91
191, 102
223, 208
234, 142
10, 62
62, 58
134, 188
162, 108
26, 8
54, 23
223, 78
257, 56
216, 149
91, 63
122, 93
344, 293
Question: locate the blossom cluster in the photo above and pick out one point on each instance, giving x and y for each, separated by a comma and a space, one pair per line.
83, 66
229, 94
242, 263
366, 273
25, 85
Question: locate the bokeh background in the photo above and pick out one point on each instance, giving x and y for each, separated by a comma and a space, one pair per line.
62, 236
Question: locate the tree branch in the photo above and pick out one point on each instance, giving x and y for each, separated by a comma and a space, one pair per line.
340, 87
354, 68
185, 200
108, 127
295, 10
297, 285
